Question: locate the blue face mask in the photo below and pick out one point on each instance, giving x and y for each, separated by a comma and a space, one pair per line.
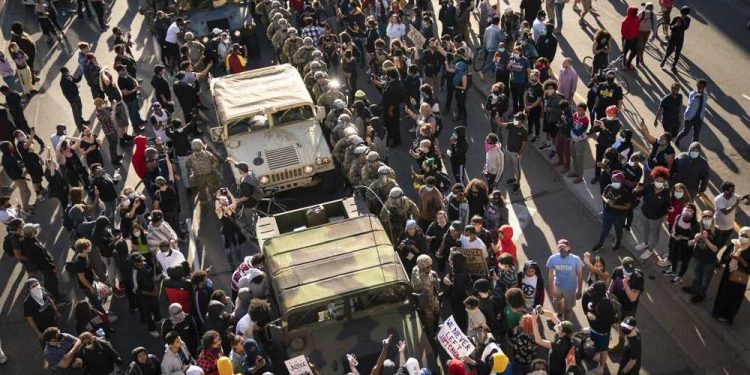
694, 154
616, 185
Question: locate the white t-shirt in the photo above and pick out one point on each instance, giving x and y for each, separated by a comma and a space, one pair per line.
725, 221
172, 32
476, 244
8, 214
538, 28
167, 260
245, 326
528, 285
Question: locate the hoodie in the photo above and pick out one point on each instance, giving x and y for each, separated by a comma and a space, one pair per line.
691, 172
12, 163
494, 161
139, 156
459, 145
217, 319
629, 26
259, 290
506, 245
252, 350
539, 291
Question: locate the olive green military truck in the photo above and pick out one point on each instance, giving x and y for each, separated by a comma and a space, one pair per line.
338, 287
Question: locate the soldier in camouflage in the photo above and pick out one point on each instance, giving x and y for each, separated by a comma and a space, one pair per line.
304, 54
291, 45
277, 8
317, 57
355, 171
343, 128
332, 119
309, 77
279, 37
379, 188
275, 25
426, 285
370, 170
397, 210
202, 167
339, 150
349, 156
333, 93
263, 8
320, 86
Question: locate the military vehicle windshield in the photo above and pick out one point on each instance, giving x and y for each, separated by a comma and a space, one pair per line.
345, 308
280, 118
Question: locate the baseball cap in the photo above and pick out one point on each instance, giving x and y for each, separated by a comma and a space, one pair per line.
629, 323
482, 285
136, 257
160, 181
158, 68
628, 266
30, 228
470, 229
216, 31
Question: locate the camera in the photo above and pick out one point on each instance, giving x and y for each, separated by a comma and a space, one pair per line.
538, 309
223, 191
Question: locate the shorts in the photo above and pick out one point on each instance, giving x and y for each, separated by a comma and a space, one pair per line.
569, 298
601, 341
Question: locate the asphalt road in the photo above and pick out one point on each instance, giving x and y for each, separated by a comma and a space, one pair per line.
541, 213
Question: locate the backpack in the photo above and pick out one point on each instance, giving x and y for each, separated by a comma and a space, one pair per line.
616, 305
584, 346
438, 124
461, 68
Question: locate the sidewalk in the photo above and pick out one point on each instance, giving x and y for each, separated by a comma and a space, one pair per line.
715, 348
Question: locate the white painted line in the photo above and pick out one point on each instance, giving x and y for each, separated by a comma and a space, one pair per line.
746, 97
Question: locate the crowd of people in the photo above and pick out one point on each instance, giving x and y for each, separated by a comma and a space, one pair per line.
126, 239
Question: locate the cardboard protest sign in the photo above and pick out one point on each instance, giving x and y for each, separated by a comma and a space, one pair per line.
453, 340
476, 264
298, 366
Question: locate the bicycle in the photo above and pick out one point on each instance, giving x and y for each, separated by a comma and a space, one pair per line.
617, 66
663, 24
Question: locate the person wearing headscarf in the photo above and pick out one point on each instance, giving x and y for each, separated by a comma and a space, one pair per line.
734, 278
256, 360
143, 363
38, 308
184, 325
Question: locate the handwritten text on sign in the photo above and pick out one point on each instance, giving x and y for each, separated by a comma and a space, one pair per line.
453, 340
298, 366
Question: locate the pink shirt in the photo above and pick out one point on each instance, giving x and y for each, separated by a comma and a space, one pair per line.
567, 83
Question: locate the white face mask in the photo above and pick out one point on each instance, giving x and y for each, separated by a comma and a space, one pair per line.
516, 122
744, 240
137, 233
125, 203
616, 185
610, 118
632, 163
678, 194
694, 154
707, 222
37, 293
516, 55
179, 130
658, 185
429, 188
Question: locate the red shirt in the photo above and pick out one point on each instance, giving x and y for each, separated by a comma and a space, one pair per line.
207, 361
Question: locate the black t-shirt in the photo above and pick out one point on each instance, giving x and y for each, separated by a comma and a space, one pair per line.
533, 93
678, 26
608, 132
633, 173
619, 196
530, 7
517, 135
249, 189
557, 354
127, 83
671, 109
167, 200
655, 205
44, 317
636, 283
82, 265
659, 156
145, 279
433, 62
107, 189
605, 313
701, 252
609, 94
632, 351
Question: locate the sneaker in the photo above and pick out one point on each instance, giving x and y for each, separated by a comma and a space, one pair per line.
646, 254
545, 146
664, 263
510, 181
668, 272
676, 280
626, 228
641, 246
154, 334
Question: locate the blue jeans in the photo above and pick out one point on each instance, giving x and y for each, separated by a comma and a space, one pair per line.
559, 16
702, 273
608, 221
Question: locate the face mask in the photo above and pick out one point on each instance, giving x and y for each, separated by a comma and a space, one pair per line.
496, 92
694, 154
37, 293
706, 222
744, 240
179, 130
658, 185
125, 203
610, 80
616, 185
678, 194
610, 118
131, 196
516, 55
23, 138
429, 188
632, 163
137, 233
516, 123
501, 50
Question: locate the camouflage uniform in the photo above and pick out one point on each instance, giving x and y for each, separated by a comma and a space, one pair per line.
318, 89
329, 96
303, 56
284, 13
340, 148
309, 77
369, 172
308, 68
333, 117
343, 128
395, 214
278, 43
263, 8
291, 45
276, 25
202, 167
426, 285
349, 156
381, 189
355, 171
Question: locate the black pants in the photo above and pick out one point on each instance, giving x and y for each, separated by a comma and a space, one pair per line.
457, 168
83, 4
461, 104
448, 96
630, 46
535, 120
680, 254
51, 282
99, 10
149, 308
392, 125
675, 45
599, 155
516, 94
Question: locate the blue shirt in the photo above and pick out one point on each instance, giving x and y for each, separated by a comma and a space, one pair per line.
566, 278
492, 38
54, 355
518, 70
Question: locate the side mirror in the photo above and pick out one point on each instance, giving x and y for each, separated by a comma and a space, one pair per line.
217, 134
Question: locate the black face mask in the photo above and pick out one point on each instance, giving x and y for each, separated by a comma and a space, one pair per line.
610, 80
496, 92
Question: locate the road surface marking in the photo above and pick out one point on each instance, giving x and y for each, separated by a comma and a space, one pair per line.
746, 97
